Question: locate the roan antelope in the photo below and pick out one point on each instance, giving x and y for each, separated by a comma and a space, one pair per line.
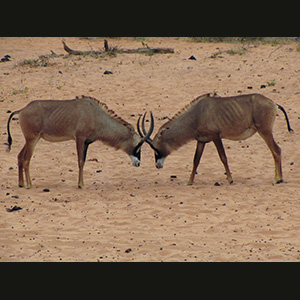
84, 120
213, 118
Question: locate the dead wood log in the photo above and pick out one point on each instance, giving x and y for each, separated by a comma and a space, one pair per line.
77, 52
107, 49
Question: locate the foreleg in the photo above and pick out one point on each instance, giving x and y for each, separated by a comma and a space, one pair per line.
219, 145
197, 157
82, 147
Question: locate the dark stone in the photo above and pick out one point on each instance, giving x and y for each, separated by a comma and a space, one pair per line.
13, 209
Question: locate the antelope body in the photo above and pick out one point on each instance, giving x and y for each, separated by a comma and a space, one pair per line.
209, 119
84, 120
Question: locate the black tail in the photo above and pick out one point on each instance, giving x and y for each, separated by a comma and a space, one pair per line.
287, 119
9, 139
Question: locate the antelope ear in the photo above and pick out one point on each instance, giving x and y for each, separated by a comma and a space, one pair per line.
162, 131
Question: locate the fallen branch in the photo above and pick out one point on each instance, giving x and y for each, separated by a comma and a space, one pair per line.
107, 49
76, 52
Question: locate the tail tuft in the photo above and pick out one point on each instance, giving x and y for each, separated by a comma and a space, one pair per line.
9, 142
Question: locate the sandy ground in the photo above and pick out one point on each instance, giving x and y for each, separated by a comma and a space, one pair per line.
142, 214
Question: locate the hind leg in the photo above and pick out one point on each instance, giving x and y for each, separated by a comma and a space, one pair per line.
24, 161
276, 152
20, 166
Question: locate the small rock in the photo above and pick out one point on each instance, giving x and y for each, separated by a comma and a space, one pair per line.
217, 184
5, 58
46, 190
173, 176
263, 86
13, 209
107, 72
249, 87
128, 250
192, 57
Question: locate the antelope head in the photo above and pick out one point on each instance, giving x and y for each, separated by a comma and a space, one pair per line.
155, 144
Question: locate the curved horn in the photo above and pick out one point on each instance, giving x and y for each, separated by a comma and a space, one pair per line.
143, 124
146, 135
147, 138
138, 128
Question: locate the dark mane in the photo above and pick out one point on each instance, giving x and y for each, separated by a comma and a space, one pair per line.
183, 110
110, 112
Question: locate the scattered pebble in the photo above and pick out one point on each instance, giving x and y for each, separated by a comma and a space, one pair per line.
5, 58
13, 209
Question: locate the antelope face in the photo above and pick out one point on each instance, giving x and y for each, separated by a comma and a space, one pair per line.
159, 159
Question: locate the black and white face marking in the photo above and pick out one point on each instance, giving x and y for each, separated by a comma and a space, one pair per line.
136, 156
159, 159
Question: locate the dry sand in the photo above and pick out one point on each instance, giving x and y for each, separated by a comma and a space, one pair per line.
142, 214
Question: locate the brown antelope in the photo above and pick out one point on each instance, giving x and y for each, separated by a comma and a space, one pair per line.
213, 118
84, 120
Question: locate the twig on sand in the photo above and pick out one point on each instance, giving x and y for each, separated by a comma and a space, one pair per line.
107, 49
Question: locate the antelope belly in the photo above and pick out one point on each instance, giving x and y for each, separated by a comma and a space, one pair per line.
53, 138
239, 136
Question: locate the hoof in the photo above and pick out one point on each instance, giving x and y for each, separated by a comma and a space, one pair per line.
230, 181
188, 183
